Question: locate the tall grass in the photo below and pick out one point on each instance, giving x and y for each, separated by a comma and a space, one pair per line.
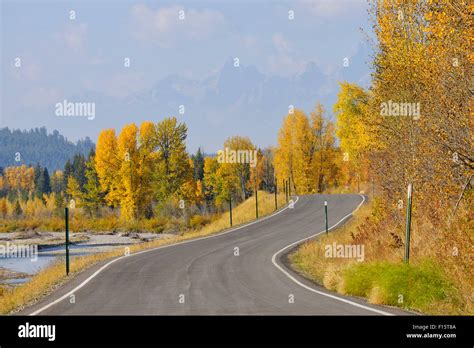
245, 212
435, 281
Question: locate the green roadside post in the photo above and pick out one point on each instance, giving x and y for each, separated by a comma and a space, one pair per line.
276, 195
286, 190
66, 216
230, 209
283, 186
256, 202
326, 215
408, 224
289, 187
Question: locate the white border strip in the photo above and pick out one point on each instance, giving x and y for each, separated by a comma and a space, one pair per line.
145, 251
314, 290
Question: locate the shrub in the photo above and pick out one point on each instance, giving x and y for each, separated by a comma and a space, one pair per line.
197, 221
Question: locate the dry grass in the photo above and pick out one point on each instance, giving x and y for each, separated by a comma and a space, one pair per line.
435, 282
310, 258
246, 212
81, 222
50, 277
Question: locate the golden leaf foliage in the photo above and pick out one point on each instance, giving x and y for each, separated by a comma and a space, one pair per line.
423, 57
306, 151
144, 164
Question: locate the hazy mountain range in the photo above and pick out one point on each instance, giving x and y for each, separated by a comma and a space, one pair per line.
232, 101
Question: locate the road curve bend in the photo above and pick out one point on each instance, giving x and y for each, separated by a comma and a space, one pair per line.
240, 272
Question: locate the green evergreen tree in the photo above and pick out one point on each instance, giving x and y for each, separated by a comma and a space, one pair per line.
79, 170
93, 196
38, 192
42, 181
46, 181
67, 172
198, 160
12, 196
17, 211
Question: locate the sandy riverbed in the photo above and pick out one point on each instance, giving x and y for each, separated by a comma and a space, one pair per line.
51, 245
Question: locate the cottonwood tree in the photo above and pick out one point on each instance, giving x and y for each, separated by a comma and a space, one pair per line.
306, 151
237, 174
355, 130
172, 168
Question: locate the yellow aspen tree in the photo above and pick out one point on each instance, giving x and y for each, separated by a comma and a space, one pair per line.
145, 166
354, 128
237, 171
128, 154
323, 151
3, 207
74, 191
295, 151
107, 165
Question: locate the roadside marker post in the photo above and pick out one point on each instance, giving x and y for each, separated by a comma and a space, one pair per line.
66, 216
276, 194
408, 224
326, 216
256, 203
230, 209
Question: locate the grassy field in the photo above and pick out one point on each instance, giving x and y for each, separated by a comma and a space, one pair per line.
382, 277
49, 278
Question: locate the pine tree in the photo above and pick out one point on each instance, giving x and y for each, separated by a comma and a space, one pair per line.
198, 160
46, 183
42, 181
38, 181
79, 165
92, 197
17, 211
67, 172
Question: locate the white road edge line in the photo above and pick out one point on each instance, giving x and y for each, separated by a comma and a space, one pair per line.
314, 290
148, 250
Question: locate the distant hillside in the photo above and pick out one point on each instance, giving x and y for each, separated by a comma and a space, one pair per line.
37, 146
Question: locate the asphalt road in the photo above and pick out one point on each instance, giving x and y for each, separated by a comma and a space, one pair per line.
205, 276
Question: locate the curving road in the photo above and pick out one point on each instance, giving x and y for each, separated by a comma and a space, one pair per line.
209, 278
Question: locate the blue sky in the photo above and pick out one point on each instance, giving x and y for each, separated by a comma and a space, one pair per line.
84, 58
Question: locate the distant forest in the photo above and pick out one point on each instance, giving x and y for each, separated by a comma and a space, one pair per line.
34, 146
